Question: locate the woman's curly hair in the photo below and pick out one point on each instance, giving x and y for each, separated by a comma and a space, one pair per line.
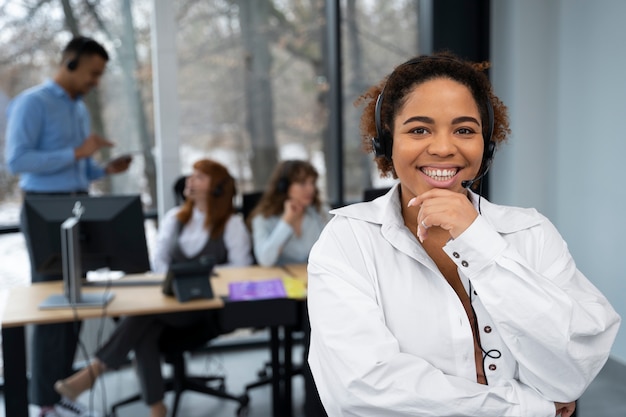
402, 81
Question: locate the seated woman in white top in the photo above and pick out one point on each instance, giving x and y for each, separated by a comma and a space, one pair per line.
204, 226
288, 219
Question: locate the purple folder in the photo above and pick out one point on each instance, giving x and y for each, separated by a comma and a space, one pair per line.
256, 290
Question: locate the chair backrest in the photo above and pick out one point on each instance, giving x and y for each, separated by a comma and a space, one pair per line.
249, 202
372, 193
179, 187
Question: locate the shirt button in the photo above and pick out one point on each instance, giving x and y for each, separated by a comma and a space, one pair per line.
487, 329
456, 255
492, 367
464, 263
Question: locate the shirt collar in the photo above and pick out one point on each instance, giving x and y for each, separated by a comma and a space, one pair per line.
59, 91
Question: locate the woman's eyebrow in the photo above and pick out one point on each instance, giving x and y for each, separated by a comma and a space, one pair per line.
430, 120
423, 119
464, 119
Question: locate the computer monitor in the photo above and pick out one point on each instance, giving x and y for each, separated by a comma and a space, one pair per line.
72, 295
111, 232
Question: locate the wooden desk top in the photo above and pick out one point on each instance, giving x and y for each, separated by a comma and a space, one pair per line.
297, 271
23, 302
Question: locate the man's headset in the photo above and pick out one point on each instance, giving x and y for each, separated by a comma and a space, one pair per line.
383, 142
72, 64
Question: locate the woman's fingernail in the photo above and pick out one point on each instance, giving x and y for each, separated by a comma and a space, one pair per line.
411, 201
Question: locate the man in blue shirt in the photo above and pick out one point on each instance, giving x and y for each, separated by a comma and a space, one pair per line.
49, 143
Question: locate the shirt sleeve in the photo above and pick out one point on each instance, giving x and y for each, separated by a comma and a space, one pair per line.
237, 241
269, 239
357, 363
94, 170
557, 324
24, 129
166, 235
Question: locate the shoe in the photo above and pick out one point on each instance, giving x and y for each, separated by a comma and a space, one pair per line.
64, 390
48, 412
69, 408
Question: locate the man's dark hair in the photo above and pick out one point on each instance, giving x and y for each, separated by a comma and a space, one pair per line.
82, 45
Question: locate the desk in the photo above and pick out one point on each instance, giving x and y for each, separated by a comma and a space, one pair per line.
22, 309
279, 314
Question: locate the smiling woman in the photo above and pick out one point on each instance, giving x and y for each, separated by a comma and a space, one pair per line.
438, 137
435, 289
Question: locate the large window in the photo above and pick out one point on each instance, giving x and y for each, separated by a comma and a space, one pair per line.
253, 82
254, 88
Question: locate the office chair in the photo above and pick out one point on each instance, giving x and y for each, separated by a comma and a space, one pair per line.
249, 202
174, 342
179, 187
370, 194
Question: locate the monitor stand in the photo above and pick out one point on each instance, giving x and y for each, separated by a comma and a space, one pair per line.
72, 295
87, 300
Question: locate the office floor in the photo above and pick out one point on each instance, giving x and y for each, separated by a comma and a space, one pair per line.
240, 367
606, 397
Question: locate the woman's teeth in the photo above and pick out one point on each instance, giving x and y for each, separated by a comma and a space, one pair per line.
440, 174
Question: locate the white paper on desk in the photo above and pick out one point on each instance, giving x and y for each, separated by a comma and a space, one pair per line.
104, 274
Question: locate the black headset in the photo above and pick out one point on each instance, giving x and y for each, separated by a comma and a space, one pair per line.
219, 190
282, 186
383, 142
72, 64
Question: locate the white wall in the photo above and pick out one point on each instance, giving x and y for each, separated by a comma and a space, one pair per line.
560, 66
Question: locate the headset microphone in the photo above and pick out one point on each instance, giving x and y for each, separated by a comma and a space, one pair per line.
486, 164
469, 183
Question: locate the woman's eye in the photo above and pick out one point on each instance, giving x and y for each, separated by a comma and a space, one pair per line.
419, 131
465, 131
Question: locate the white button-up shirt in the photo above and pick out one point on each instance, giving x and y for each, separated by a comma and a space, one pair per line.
390, 336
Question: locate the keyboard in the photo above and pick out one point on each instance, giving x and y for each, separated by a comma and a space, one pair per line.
123, 282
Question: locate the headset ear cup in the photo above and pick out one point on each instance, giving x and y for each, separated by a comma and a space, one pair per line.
382, 143
378, 147
490, 151
283, 185
387, 145
218, 191
72, 64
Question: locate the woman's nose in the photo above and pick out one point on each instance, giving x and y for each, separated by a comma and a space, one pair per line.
442, 145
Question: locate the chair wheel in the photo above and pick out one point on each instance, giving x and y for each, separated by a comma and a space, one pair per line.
244, 400
242, 411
